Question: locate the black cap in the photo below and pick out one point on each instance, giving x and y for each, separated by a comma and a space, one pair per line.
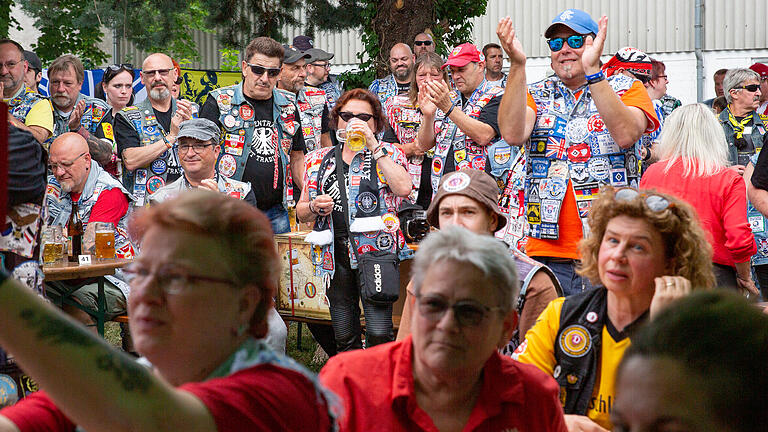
318, 55
33, 60
292, 55
302, 43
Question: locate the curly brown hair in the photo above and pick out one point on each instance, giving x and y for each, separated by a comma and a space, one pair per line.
362, 95
685, 242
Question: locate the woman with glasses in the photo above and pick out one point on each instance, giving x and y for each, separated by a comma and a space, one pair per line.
200, 292
644, 249
404, 115
694, 167
117, 89
448, 375
352, 197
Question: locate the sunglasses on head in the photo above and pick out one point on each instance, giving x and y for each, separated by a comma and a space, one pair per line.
115, 69
347, 116
259, 70
466, 313
656, 203
751, 87
420, 43
575, 42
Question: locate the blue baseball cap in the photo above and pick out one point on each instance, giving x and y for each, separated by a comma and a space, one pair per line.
575, 19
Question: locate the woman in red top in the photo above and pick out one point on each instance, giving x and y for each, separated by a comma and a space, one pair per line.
694, 167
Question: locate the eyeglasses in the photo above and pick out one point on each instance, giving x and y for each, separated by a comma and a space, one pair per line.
322, 65
198, 148
467, 313
173, 280
259, 70
656, 203
347, 116
162, 72
420, 43
10, 64
64, 165
751, 87
575, 42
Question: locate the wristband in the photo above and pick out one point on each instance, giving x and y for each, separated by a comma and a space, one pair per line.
168, 140
595, 78
450, 110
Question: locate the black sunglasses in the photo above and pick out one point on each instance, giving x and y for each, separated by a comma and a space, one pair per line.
347, 116
420, 43
466, 313
751, 87
575, 42
114, 69
259, 70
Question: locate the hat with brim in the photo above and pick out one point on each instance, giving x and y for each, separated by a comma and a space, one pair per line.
464, 54
576, 20
316, 54
471, 183
200, 129
33, 60
302, 43
292, 55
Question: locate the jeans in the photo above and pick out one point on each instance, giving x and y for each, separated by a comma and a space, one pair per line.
344, 296
761, 273
278, 217
565, 271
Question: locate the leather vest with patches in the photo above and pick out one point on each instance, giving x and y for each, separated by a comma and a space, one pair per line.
143, 182
231, 187
20, 104
311, 102
237, 121
381, 232
741, 157
95, 110
332, 91
449, 139
571, 142
59, 206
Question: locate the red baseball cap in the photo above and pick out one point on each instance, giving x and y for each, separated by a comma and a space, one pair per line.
761, 69
463, 54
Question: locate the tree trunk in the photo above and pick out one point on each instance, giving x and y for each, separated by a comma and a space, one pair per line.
399, 21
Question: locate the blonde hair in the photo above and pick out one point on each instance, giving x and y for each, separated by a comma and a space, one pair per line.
685, 242
693, 135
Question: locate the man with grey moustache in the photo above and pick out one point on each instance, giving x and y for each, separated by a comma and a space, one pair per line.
743, 126
145, 133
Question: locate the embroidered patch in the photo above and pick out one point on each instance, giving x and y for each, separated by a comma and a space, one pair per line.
310, 290
384, 241
579, 152
366, 202
539, 168
599, 168
140, 177
391, 222
227, 165
595, 123
234, 144
575, 341
576, 130
579, 173
158, 166
533, 213
757, 223
456, 181
549, 210
437, 166
9, 393
502, 155
154, 183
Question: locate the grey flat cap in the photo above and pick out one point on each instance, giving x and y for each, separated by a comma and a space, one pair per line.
318, 55
293, 55
199, 128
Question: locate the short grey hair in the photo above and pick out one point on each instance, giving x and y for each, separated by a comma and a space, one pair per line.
734, 78
463, 247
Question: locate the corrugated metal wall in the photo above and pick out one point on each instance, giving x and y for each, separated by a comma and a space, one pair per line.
654, 26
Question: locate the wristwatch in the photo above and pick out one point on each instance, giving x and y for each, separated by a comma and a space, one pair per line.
380, 152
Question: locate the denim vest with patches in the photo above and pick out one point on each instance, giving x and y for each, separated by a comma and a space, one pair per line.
237, 117
311, 102
741, 157
143, 182
95, 110
59, 206
571, 142
758, 223
20, 104
449, 139
384, 88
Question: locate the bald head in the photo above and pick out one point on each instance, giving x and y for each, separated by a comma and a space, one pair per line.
401, 62
158, 76
423, 43
70, 161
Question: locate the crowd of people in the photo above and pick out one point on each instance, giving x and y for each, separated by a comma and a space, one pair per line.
582, 235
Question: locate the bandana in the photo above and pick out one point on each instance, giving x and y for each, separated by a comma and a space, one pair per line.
631, 60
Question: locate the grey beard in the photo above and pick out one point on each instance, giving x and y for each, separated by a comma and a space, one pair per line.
65, 188
568, 72
159, 93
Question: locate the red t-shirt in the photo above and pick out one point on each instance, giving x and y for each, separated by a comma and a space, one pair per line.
110, 207
260, 398
376, 387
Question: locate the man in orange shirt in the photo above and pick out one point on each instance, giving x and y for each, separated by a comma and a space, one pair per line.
578, 130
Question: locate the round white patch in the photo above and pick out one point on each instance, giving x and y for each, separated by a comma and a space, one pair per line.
456, 182
227, 165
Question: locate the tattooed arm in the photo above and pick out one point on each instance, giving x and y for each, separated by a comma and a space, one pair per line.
97, 386
100, 149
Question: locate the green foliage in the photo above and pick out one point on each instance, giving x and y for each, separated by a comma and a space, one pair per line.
239, 21
230, 59
7, 21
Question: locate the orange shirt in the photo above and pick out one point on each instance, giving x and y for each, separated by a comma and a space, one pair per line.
570, 230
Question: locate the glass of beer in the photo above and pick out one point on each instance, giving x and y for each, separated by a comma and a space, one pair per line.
105, 240
355, 139
53, 244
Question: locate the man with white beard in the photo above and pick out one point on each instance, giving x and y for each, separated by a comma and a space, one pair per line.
145, 133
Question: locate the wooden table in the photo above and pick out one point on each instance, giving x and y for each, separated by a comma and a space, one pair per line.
56, 273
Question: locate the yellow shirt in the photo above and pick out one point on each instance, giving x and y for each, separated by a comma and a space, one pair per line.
538, 349
41, 114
